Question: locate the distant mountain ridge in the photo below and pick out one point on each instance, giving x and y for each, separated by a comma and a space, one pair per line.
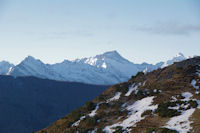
107, 68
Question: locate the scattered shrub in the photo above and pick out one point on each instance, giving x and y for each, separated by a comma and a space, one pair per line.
118, 129
75, 115
166, 130
101, 98
90, 106
164, 111
100, 130
193, 104
88, 123
150, 130
68, 123
140, 94
138, 74
71, 130
147, 112
160, 130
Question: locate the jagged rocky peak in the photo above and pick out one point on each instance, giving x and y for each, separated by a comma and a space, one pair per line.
30, 59
5, 67
180, 54
113, 53
164, 100
102, 60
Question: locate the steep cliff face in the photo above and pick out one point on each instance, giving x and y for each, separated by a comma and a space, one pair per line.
164, 100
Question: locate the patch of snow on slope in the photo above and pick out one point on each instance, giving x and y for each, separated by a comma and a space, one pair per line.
93, 131
77, 122
135, 112
193, 83
93, 113
198, 72
181, 123
116, 97
131, 89
187, 96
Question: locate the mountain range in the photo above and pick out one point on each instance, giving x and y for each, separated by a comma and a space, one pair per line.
104, 69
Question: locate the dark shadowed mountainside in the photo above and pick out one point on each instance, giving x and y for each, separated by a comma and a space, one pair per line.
29, 104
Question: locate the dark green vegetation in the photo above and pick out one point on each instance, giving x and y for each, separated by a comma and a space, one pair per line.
160, 130
164, 111
162, 84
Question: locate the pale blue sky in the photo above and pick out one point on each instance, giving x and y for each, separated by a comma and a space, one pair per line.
140, 30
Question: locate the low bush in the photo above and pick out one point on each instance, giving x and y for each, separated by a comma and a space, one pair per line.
100, 130
75, 115
150, 130
160, 130
118, 129
193, 104
90, 106
147, 112
166, 130
164, 111
87, 124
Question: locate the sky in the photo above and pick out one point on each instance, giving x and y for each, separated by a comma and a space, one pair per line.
140, 30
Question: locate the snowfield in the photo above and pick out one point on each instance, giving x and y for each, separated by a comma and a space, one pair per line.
93, 112
181, 123
193, 83
116, 97
77, 122
131, 89
135, 112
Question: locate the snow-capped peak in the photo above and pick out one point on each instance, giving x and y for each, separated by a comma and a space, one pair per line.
103, 60
179, 55
30, 59
5, 67
111, 54
177, 58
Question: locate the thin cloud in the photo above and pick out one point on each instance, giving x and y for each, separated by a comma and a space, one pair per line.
61, 35
171, 29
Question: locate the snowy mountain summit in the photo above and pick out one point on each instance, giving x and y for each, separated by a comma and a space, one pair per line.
107, 68
177, 58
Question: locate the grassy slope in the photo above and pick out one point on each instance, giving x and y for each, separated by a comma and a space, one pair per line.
172, 81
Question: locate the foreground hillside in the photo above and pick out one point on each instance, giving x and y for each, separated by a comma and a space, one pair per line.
163, 101
29, 104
